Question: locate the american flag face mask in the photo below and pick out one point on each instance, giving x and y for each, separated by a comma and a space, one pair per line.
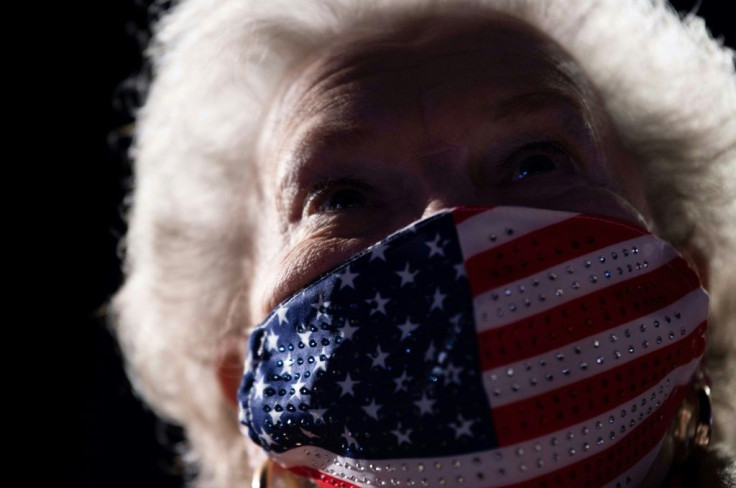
481, 347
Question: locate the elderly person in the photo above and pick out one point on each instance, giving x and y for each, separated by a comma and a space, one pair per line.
281, 138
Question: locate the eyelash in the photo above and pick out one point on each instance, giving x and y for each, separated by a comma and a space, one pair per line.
320, 194
560, 156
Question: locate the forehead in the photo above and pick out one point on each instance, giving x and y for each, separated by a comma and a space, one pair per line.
461, 45
420, 70
436, 50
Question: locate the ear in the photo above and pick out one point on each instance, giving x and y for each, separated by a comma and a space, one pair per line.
229, 371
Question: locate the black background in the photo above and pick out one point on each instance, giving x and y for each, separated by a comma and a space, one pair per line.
110, 439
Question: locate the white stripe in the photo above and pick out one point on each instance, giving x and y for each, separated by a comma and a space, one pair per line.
519, 462
638, 472
489, 229
570, 280
597, 353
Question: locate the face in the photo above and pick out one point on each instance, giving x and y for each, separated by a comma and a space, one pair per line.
378, 131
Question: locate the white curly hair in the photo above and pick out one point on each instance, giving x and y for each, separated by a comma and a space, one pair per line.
667, 85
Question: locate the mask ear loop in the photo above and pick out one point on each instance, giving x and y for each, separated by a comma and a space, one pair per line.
694, 420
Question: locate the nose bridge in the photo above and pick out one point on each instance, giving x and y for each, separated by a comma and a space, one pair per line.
447, 179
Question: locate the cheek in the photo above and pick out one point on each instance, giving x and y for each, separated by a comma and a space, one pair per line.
286, 273
572, 194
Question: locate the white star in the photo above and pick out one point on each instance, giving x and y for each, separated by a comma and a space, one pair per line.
437, 300
321, 307
304, 336
460, 271
348, 331
372, 409
401, 380
320, 303
281, 312
402, 436
298, 388
318, 414
322, 363
429, 354
286, 368
347, 278
266, 438
406, 275
324, 317
275, 415
463, 428
425, 404
349, 439
380, 359
259, 387
452, 374
380, 303
347, 385
455, 321
406, 328
308, 434
435, 246
377, 251
272, 341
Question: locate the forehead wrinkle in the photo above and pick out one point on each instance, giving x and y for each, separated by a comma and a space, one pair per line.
315, 146
344, 68
570, 108
333, 86
327, 82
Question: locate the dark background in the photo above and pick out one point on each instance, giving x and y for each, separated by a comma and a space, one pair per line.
110, 439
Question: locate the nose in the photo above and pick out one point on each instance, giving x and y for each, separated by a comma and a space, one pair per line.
447, 181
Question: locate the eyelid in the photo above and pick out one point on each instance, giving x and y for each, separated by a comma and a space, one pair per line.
319, 192
564, 157
550, 146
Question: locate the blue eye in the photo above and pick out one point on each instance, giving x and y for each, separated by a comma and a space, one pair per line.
534, 165
344, 198
538, 158
337, 196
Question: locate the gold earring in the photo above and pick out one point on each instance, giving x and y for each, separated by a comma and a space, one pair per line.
694, 420
271, 475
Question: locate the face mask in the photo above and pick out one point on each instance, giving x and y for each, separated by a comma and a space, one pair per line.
481, 347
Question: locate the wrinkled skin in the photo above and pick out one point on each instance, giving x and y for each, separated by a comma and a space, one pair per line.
370, 135
376, 132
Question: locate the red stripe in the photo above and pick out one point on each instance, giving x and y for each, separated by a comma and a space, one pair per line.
321, 479
590, 314
595, 470
544, 248
464, 213
546, 413
611, 463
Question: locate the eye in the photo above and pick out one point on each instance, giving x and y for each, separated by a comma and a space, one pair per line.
539, 158
344, 198
336, 196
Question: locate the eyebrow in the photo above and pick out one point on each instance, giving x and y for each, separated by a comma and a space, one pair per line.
575, 114
527, 103
340, 136
345, 135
